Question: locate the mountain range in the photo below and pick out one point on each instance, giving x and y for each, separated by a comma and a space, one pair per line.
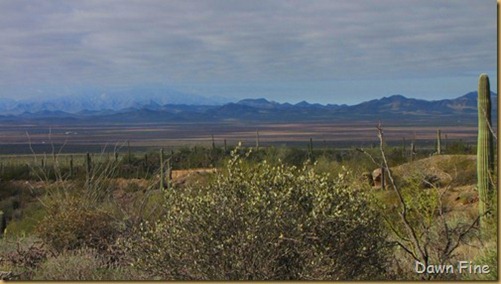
103, 99
130, 109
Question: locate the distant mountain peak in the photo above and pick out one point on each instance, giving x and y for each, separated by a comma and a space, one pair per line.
259, 100
302, 104
258, 103
397, 96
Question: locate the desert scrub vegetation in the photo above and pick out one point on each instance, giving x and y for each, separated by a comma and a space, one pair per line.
420, 225
75, 233
273, 213
256, 221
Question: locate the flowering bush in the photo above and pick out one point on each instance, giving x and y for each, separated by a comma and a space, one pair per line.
263, 222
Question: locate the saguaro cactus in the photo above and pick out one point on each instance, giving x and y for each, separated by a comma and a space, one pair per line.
162, 172
88, 166
310, 149
71, 165
257, 139
485, 151
413, 150
169, 173
439, 146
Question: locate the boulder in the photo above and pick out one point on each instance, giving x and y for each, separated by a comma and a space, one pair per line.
377, 177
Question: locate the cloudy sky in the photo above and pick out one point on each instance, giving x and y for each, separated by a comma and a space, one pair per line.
332, 51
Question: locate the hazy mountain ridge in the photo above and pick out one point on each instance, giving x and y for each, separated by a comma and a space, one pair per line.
93, 99
461, 109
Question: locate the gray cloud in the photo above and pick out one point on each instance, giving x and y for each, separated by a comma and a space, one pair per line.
127, 42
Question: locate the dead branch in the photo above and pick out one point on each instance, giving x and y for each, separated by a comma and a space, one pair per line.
403, 214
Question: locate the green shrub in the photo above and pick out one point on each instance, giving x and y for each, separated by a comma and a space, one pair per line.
263, 222
462, 169
31, 215
460, 147
295, 157
16, 172
73, 222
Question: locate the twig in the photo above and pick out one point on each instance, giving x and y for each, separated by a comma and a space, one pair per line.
403, 214
369, 155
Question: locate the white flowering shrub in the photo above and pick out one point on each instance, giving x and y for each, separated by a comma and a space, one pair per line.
263, 222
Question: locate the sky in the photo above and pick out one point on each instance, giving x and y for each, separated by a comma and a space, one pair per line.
321, 51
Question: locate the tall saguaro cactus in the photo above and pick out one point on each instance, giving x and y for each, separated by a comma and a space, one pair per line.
162, 172
169, 173
71, 166
413, 150
88, 168
439, 140
257, 139
485, 151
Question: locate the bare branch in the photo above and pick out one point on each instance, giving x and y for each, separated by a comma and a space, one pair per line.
403, 214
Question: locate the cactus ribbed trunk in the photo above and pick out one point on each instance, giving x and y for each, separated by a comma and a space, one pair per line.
169, 174
71, 166
413, 150
257, 139
485, 151
439, 146
162, 178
